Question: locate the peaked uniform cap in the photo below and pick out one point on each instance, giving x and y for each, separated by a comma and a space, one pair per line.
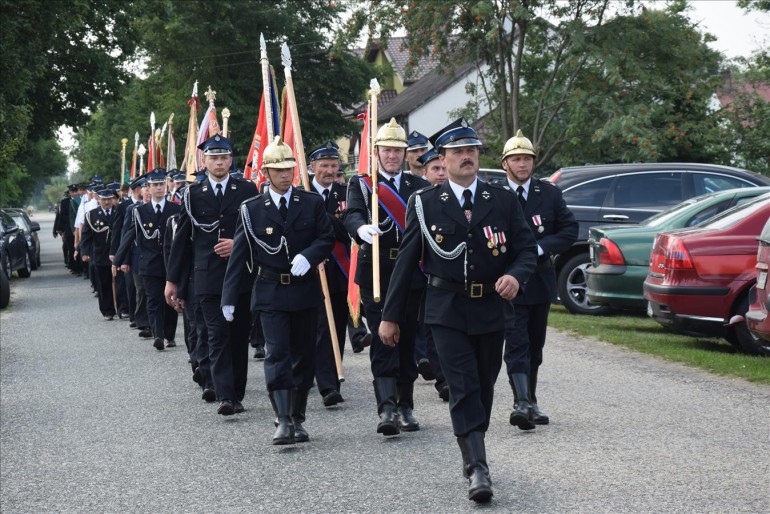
417, 141
456, 134
328, 150
216, 145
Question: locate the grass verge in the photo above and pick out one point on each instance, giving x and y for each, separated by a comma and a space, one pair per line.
640, 333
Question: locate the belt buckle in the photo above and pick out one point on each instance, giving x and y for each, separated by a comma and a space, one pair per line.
477, 290
285, 279
393, 253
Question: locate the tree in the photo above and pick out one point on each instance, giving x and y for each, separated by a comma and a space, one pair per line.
59, 60
217, 44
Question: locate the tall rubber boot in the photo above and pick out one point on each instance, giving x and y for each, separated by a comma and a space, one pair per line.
538, 416
521, 416
298, 406
407, 421
385, 390
479, 482
284, 432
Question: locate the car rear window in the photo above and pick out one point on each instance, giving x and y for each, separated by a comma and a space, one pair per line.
589, 193
662, 217
710, 182
732, 216
648, 190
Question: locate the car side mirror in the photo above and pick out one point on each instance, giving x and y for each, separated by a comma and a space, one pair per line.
34, 226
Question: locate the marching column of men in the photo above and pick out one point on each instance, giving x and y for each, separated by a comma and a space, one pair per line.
463, 264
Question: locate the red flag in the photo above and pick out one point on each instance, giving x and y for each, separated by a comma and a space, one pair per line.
133, 165
363, 145
171, 148
288, 136
151, 153
213, 123
253, 168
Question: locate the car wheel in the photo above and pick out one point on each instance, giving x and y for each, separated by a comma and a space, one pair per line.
5, 290
34, 261
573, 287
7, 266
26, 271
747, 341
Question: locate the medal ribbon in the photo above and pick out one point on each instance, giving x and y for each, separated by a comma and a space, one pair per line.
391, 202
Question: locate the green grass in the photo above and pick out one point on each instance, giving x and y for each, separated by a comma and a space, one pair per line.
640, 333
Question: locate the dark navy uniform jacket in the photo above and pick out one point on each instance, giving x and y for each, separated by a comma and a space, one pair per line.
147, 233
263, 240
335, 209
447, 227
200, 228
95, 241
559, 232
359, 213
120, 216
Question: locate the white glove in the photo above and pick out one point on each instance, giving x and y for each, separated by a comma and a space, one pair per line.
299, 265
366, 232
227, 312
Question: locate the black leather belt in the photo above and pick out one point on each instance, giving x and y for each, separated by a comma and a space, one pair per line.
285, 279
475, 290
388, 253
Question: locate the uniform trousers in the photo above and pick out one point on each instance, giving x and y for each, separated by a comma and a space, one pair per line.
228, 345
163, 318
393, 361
470, 364
325, 367
200, 354
102, 281
525, 327
290, 340
140, 314
121, 296
130, 295
432, 354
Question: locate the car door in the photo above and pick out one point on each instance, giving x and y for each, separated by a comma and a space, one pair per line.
637, 196
585, 200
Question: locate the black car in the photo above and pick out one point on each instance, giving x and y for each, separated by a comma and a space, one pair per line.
628, 193
14, 255
30, 228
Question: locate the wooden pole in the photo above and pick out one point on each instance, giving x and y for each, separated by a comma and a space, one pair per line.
374, 166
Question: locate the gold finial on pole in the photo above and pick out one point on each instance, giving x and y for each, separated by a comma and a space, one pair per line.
225, 119
211, 95
123, 143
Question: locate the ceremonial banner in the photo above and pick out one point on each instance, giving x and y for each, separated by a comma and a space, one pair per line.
288, 135
171, 149
260, 140
363, 145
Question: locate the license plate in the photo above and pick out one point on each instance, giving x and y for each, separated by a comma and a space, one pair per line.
762, 280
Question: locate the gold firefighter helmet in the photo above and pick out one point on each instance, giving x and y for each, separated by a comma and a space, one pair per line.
392, 134
518, 145
278, 155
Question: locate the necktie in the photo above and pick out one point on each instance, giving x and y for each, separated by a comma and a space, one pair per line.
283, 209
522, 200
326, 196
157, 212
219, 193
392, 183
467, 204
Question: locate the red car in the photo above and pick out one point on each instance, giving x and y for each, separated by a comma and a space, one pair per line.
699, 278
759, 296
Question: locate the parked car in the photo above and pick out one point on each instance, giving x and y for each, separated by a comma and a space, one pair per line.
628, 193
757, 317
493, 176
620, 254
13, 248
699, 278
30, 228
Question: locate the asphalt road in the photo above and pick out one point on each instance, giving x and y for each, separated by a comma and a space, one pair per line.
93, 419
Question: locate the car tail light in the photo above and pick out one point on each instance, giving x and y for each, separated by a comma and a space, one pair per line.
553, 178
669, 252
609, 252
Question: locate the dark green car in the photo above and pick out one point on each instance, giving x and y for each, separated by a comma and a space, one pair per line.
620, 254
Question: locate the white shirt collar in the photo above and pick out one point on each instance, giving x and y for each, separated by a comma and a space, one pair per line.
318, 187
277, 198
162, 204
224, 184
458, 190
387, 176
514, 186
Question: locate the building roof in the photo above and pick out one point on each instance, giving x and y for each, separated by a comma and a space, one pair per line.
398, 55
419, 93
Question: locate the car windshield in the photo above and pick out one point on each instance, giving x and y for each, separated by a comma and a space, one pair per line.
663, 217
19, 219
732, 216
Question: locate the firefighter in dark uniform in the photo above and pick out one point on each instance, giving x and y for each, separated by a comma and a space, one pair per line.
324, 162
205, 236
147, 231
121, 280
284, 233
555, 229
95, 244
478, 251
393, 368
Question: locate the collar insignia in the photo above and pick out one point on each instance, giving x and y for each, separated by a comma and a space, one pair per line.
485, 194
444, 196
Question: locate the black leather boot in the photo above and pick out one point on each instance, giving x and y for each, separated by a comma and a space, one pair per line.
407, 421
464, 454
521, 416
298, 406
385, 391
480, 484
538, 417
284, 432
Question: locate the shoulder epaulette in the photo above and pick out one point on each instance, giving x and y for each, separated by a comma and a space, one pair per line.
426, 189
